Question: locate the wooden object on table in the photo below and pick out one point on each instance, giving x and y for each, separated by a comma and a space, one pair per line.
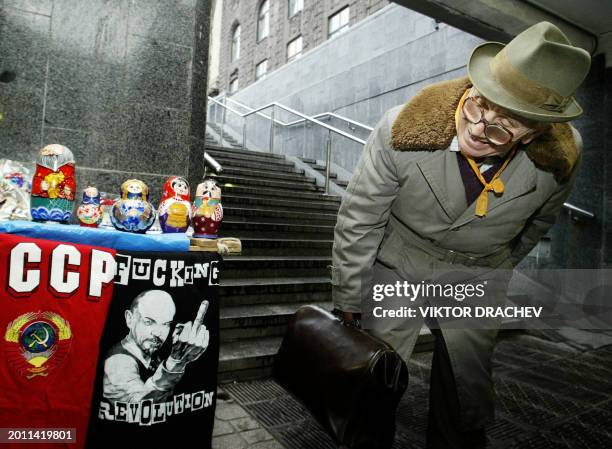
223, 246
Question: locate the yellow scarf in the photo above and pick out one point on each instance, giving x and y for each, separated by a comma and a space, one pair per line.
496, 185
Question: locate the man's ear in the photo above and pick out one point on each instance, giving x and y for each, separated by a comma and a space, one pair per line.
128, 318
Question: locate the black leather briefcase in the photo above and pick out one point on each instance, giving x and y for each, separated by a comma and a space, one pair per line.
350, 381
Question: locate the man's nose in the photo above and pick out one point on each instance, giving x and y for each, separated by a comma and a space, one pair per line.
157, 331
478, 129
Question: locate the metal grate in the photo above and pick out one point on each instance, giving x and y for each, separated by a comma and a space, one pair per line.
580, 437
599, 418
405, 440
255, 391
538, 441
306, 436
557, 381
504, 430
278, 411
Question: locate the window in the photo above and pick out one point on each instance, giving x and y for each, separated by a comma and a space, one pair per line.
294, 49
339, 22
233, 87
261, 69
236, 43
295, 6
263, 20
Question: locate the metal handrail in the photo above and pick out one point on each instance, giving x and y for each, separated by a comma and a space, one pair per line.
344, 119
306, 118
317, 116
578, 213
292, 111
274, 121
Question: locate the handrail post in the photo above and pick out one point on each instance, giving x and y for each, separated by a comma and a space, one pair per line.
244, 131
328, 164
223, 121
272, 131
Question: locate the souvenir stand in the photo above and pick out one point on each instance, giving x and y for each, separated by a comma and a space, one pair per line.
110, 327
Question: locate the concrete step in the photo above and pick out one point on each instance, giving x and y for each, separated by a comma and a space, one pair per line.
264, 202
275, 266
227, 150
263, 229
278, 216
271, 193
321, 169
285, 185
254, 158
248, 291
255, 321
247, 359
294, 175
256, 165
282, 247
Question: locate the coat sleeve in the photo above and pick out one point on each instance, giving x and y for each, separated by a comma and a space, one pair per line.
546, 216
362, 217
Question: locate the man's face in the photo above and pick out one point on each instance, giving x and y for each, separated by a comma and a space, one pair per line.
151, 320
471, 136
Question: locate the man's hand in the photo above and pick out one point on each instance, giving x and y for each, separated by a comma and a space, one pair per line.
349, 318
189, 341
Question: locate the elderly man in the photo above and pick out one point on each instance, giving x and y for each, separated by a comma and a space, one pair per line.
133, 370
470, 172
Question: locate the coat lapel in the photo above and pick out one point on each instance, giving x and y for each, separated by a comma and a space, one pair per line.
441, 171
519, 178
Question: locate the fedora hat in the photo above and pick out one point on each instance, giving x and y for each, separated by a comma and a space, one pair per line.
534, 76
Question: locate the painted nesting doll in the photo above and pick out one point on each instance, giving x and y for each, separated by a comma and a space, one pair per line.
107, 200
207, 210
53, 185
90, 211
175, 208
133, 212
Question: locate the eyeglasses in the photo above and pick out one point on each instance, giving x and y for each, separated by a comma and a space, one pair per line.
495, 133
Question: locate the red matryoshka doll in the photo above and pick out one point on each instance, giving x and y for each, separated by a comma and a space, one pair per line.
53, 185
207, 210
175, 208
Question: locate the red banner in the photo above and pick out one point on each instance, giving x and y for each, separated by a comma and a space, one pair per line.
54, 301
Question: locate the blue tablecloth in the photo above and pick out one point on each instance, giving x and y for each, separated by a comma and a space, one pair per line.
109, 238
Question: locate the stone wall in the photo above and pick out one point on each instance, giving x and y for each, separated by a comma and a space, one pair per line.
311, 23
120, 82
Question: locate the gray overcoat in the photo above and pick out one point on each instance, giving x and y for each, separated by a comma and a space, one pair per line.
407, 183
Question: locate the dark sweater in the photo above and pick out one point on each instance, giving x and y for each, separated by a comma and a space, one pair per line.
472, 185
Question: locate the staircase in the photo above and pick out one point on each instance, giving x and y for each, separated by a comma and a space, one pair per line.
286, 226
321, 168
228, 138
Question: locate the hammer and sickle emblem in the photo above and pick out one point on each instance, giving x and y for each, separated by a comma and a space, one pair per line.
40, 341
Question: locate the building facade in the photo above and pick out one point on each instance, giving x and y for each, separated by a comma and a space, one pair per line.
259, 37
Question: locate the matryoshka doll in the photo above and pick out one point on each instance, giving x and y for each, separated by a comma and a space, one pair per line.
207, 210
175, 208
133, 212
90, 211
53, 185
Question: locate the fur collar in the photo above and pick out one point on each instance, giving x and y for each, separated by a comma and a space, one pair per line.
427, 122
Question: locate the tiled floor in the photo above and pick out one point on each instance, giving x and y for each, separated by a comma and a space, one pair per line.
549, 395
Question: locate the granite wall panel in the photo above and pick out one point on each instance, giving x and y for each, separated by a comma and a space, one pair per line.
158, 73
117, 81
